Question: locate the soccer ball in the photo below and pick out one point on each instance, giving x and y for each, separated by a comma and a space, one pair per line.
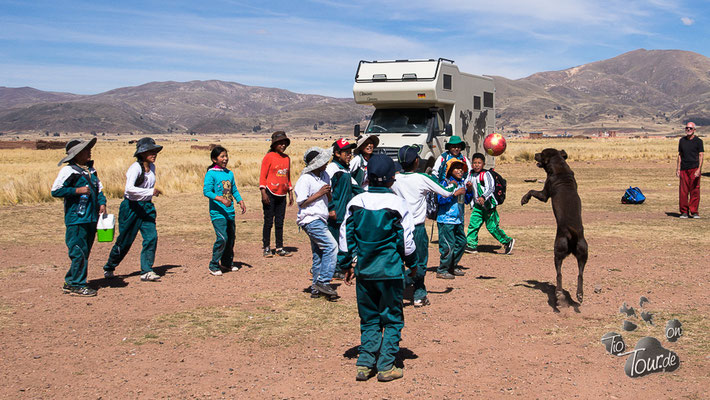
494, 144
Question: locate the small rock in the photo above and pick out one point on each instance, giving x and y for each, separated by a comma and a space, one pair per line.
597, 288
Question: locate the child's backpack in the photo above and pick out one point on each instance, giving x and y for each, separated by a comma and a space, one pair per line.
500, 185
633, 195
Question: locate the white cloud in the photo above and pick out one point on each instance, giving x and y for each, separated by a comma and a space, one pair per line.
687, 21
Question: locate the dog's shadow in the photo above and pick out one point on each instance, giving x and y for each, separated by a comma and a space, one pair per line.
549, 290
403, 354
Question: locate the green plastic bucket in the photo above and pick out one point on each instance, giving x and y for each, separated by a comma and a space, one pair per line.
105, 228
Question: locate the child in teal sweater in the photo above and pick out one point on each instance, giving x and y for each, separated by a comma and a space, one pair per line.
220, 188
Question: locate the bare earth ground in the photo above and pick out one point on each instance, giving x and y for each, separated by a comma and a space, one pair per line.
255, 334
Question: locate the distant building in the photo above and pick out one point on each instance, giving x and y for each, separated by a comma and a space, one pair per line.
535, 135
605, 134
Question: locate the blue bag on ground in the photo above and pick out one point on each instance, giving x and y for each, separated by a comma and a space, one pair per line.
633, 195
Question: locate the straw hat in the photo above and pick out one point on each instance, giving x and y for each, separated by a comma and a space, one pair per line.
75, 147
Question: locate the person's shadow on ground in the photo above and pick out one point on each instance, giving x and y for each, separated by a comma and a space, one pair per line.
549, 290
119, 281
403, 354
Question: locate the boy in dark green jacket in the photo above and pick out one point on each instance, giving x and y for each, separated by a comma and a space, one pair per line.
379, 229
343, 188
79, 186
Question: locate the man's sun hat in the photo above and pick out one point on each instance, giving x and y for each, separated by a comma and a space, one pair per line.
146, 144
279, 136
454, 141
315, 157
380, 169
75, 147
363, 140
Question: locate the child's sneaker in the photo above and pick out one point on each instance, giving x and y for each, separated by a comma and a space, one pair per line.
683, 216
339, 275
694, 215
509, 246
216, 272
267, 253
234, 268
444, 275
421, 302
458, 272
83, 291
150, 277
470, 250
283, 253
325, 289
67, 288
108, 274
364, 373
390, 375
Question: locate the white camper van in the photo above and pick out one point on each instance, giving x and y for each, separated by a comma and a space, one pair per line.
425, 102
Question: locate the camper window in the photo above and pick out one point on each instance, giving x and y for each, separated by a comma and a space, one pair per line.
488, 99
399, 120
476, 102
447, 82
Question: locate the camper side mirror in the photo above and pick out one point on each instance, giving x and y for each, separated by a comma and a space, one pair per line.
449, 130
356, 130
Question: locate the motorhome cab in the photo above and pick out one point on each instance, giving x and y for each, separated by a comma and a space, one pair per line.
425, 102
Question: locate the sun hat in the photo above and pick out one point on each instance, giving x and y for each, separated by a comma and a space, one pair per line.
146, 144
362, 141
342, 144
407, 155
452, 162
75, 147
454, 141
279, 136
315, 157
380, 169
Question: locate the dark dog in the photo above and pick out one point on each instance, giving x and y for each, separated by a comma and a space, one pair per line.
567, 207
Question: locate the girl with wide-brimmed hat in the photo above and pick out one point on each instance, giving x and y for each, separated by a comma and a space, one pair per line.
137, 212
275, 185
82, 191
366, 145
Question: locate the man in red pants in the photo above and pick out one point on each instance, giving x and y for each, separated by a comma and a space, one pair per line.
690, 164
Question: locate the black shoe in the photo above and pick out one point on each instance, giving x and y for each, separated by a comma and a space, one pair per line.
421, 302
83, 291
325, 289
509, 246
339, 275
444, 275
470, 250
67, 288
684, 216
458, 272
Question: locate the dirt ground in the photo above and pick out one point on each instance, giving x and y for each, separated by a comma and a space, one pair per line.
254, 333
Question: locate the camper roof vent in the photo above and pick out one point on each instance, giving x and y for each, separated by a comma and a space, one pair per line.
409, 77
379, 77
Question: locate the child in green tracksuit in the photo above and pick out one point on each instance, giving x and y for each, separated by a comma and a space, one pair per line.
220, 188
79, 186
343, 188
379, 228
449, 218
137, 212
483, 208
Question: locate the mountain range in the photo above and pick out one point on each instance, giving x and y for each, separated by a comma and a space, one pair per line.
642, 90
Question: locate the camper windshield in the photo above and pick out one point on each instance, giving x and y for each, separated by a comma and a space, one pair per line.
407, 120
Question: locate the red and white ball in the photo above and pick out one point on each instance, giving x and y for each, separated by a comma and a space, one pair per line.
494, 144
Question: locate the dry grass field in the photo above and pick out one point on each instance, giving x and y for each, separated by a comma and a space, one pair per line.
256, 334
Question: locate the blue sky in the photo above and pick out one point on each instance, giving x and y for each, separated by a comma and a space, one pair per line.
313, 46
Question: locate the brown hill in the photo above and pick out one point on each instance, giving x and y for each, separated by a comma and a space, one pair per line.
639, 90
641, 87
